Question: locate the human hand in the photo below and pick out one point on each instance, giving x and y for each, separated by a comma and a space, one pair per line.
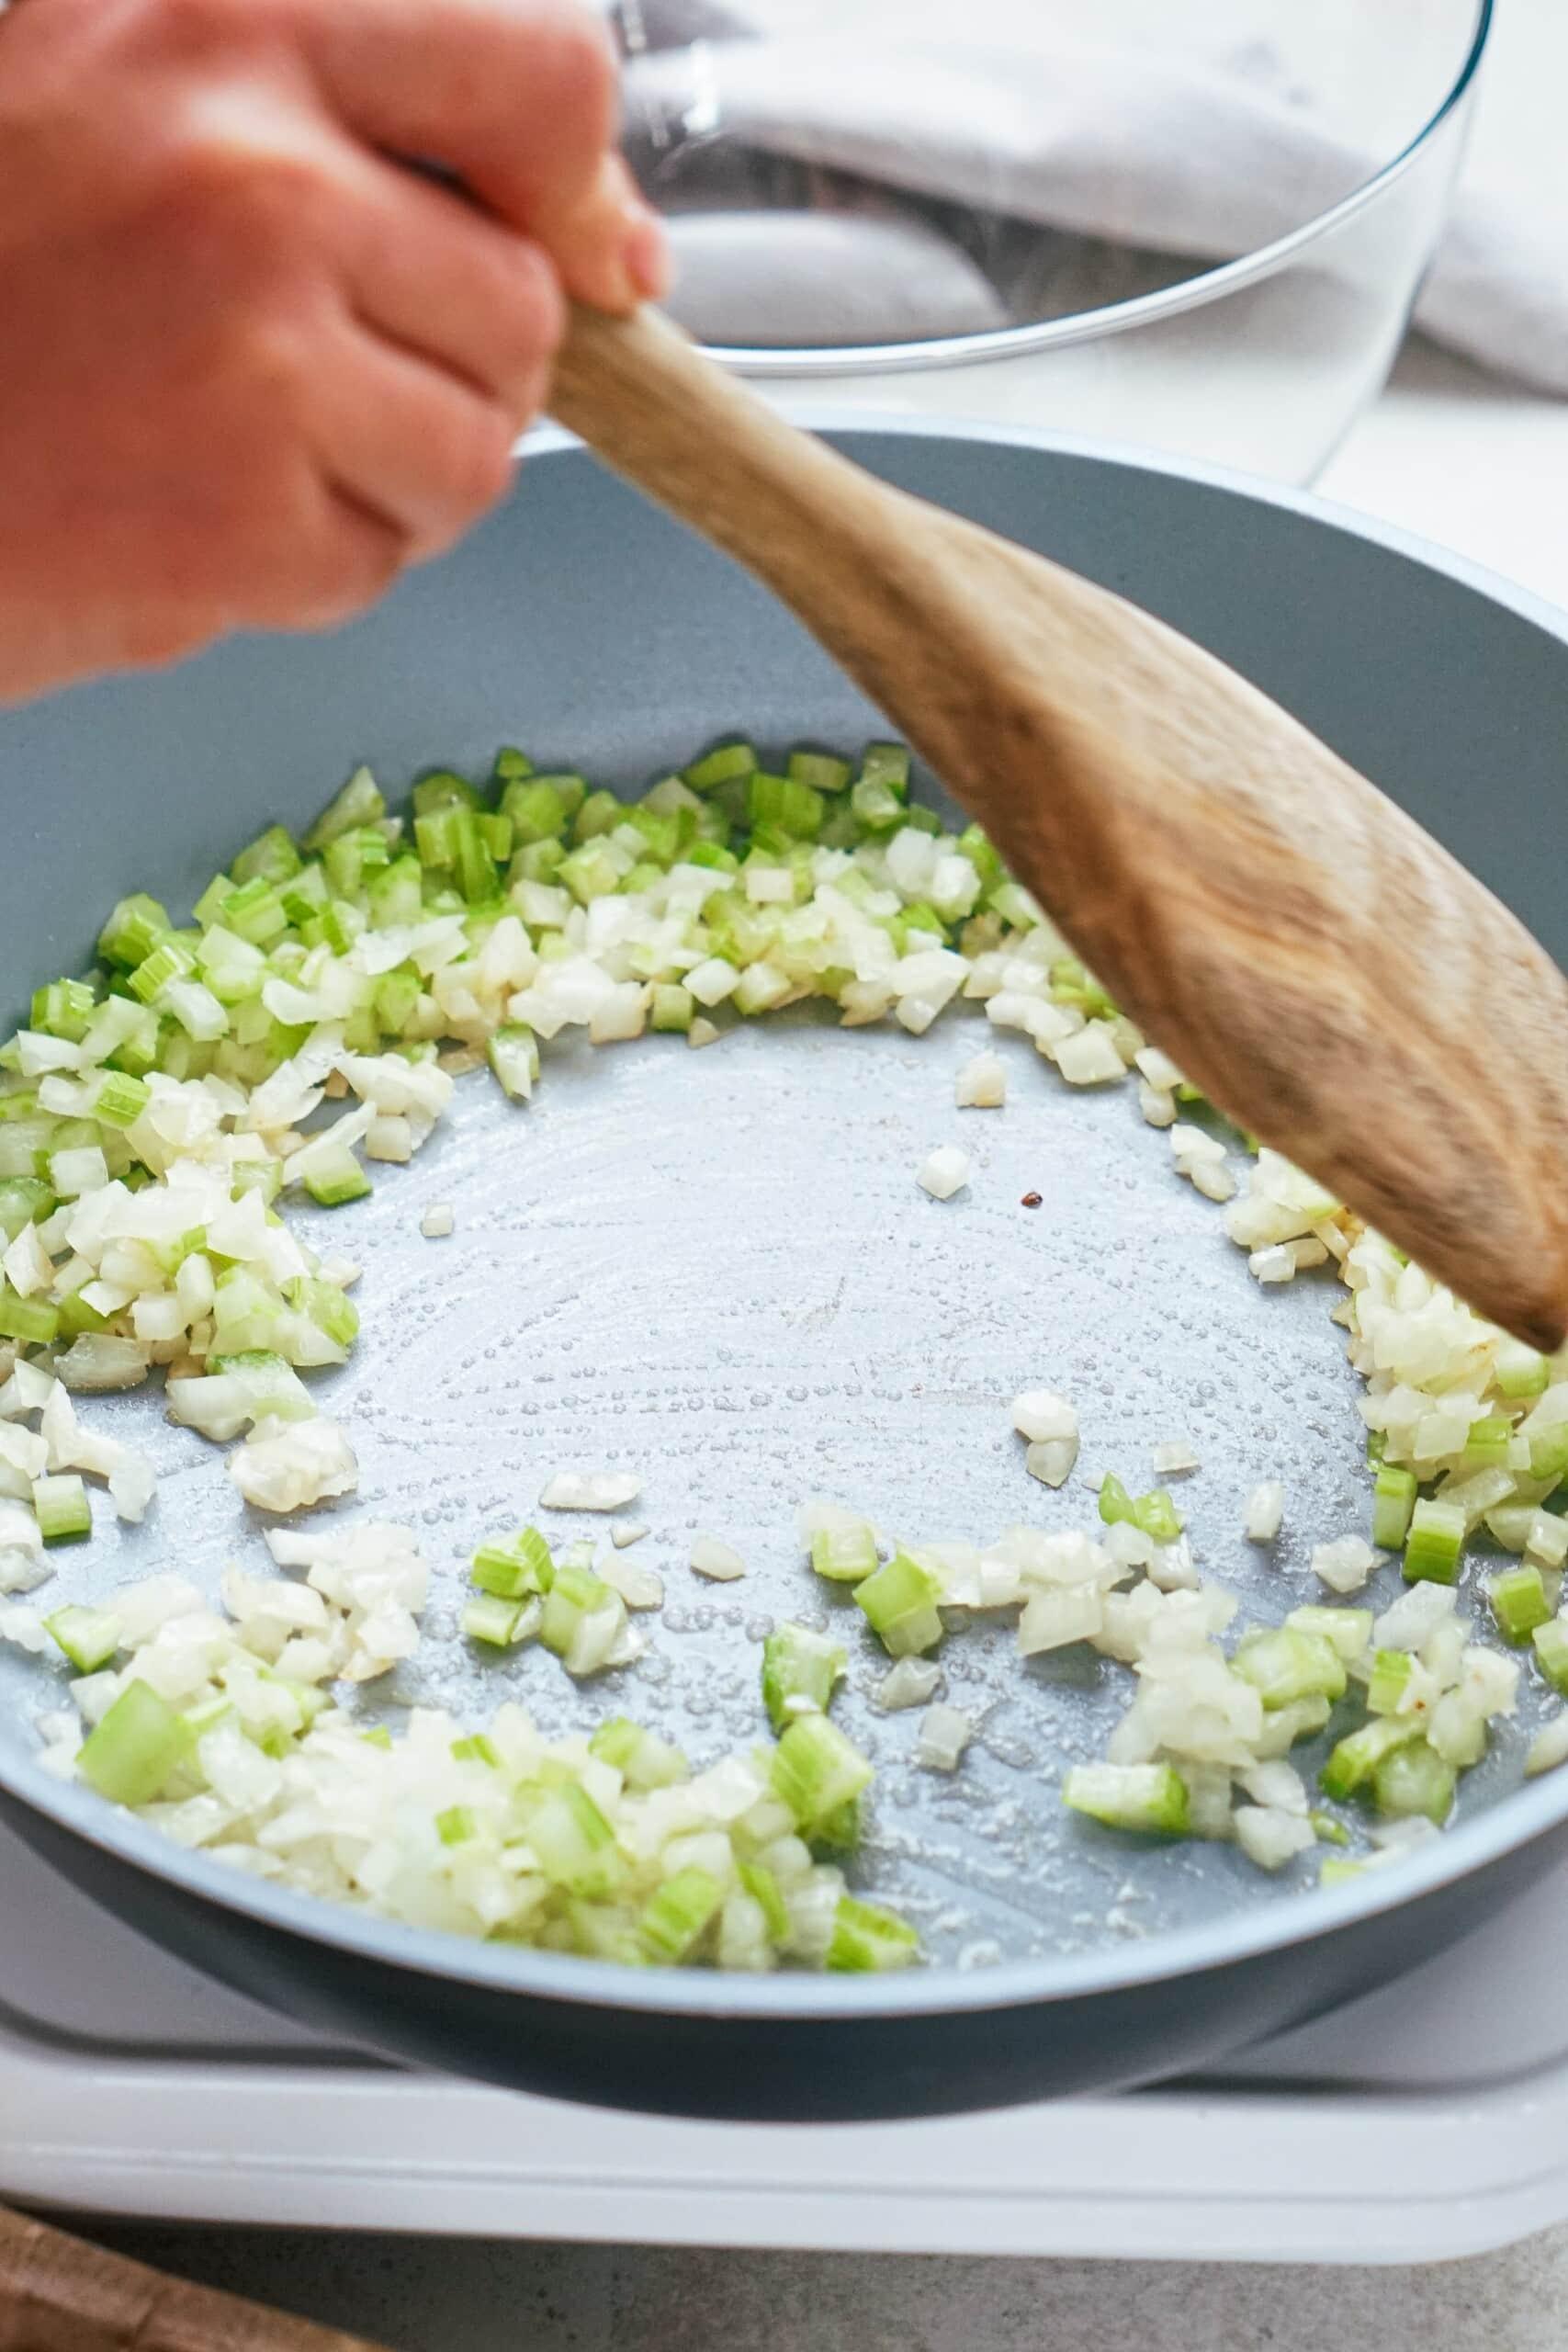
251, 365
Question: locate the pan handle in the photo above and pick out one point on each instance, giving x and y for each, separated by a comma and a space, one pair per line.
59, 2294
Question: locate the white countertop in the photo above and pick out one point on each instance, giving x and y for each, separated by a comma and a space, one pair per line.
1457, 457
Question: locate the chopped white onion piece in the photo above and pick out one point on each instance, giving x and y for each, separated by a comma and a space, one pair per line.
982, 1083
944, 1172
908, 1684
1175, 1457
1271, 1836
944, 1736
1265, 1511
1344, 1565
591, 1490
1549, 1747
1051, 1460
437, 1221
639, 1587
289, 1466
629, 1530
1040, 1413
721, 1562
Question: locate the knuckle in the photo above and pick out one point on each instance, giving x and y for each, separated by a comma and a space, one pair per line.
535, 307
475, 461
357, 558
576, 63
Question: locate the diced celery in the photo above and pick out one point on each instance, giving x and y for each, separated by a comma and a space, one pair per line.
816, 1771
1414, 1779
573, 1843
823, 770
899, 1601
130, 1755
1287, 1665
334, 1177
675, 1919
642, 1759
359, 802
514, 1568
1518, 1602
844, 1555
62, 1509
1550, 1644
1348, 1630
499, 1624
89, 1637
1435, 1543
725, 764
1393, 1500
1151, 1798
1354, 1761
867, 1937
799, 1669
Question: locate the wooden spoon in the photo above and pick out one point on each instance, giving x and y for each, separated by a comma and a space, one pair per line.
1314, 962
60, 2294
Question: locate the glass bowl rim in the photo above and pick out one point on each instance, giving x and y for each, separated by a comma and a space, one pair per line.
1114, 318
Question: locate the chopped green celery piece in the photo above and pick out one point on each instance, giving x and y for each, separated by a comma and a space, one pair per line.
63, 1009
823, 770
887, 764
24, 1200
1414, 1779
1347, 1630
1013, 902
816, 1771
573, 1843
520, 1566
170, 960
513, 1054
574, 1593
899, 1601
377, 1736
1486, 1447
1377, 1446
590, 872
799, 1669
1435, 1543
397, 994
875, 805
1151, 1798
133, 931
120, 1099
89, 1637
1518, 1602
501, 1624
866, 1939
335, 1177
359, 802
329, 1308
305, 893
263, 1176
1115, 1502
255, 913
180, 1055
353, 857
1328, 1831
205, 911
271, 857
976, 846
131, 1754
1387, 1684
393, 895
924, 820
605, 1931
600, 813
457, 1826
496, 832
672, 1009
779, 800
763, 1888
435, 836
337, 926
1548, 1452
913, 924
1156, 1514
1335, 1870
674, 1920
1551, 1642
33, 1321
541, 862
75, 1315
1356, 1758
476, 1748
641, 1757
536, 809
666, 832
844, 1555
444, 788
1393, 1500
725, 764
1519, 1370
61, 1507
22, 1102
1286, 1664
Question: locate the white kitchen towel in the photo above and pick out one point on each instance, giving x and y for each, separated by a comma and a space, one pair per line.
1004, 107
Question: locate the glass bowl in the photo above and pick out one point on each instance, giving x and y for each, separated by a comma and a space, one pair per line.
1197, 232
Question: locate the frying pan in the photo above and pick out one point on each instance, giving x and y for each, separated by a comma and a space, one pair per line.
716, 1268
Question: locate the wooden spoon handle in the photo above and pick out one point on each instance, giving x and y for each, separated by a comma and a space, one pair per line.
60, 2294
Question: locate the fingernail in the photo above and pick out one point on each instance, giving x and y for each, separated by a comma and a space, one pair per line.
646, 252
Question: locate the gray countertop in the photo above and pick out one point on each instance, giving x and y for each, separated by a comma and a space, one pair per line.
434, 2295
